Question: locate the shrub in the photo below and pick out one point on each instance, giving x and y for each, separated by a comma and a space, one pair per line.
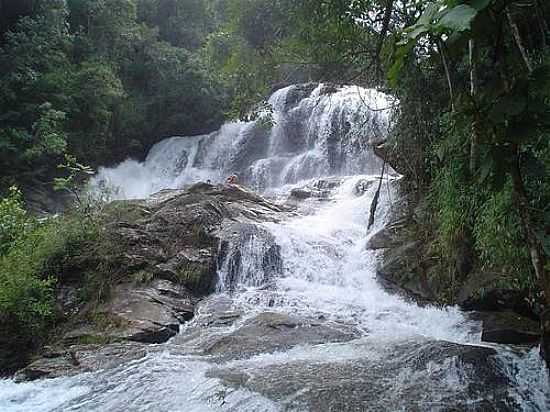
35, 254
498, 239
13, 218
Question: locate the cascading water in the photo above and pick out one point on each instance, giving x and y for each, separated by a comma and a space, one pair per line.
366, 350
316, 132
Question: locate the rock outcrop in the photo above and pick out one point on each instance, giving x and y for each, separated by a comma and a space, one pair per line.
405, 267
411, 376
155, 260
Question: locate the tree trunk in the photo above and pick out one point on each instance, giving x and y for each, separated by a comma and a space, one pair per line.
374, 204
382, 37
447, 74
518, 40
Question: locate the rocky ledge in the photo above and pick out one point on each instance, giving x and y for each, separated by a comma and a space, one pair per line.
159, 257
405, 268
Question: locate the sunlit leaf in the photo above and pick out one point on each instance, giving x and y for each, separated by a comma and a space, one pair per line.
458, 18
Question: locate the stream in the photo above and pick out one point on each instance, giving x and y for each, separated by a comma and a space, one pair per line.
313, 331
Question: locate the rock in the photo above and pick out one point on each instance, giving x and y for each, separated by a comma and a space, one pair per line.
15, 346
508, 328
412, 376
148, 314
383, 239
482, 292
215, 311
67, 300
157, 258
399, 271
545, 340
301, 194
270, 332
320, 189
176, 233
362, 186
297, 94
80, 358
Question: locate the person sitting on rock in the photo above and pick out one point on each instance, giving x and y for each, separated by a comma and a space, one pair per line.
232, 180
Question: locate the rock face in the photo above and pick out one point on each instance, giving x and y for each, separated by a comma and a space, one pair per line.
270, 332
140, 313
508, 328
80, 358
406, 268
413, 376
162, 255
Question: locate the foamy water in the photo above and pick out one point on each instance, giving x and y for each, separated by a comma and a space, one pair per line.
326, 273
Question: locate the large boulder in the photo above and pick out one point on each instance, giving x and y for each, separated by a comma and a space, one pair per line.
176, 234
155, 259
272, 332
80, 358
508, 328
412, 376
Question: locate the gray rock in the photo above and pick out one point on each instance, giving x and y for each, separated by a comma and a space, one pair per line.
413, 376
149, 314
508, 328
80, 358
162, 257
271, 332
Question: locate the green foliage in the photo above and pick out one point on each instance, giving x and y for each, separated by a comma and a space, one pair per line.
31, 266
498, 238
451, 195
101, 80
13, 219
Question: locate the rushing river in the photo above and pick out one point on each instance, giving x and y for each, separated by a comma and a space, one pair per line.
402, 357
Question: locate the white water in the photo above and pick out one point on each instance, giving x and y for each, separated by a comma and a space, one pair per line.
326, 273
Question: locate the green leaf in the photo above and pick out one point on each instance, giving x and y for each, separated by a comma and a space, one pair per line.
413, 32
480, 4
458, 18
486, 168
427, 16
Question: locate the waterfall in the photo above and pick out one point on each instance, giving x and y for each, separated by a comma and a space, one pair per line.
312, 132
312, 270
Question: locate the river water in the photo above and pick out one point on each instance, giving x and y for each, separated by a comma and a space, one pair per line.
401, 357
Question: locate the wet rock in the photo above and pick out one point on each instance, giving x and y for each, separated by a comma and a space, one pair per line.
545, 339
319, 189
271, 332
297, 94
67, 300
508, 328
412, 376
301, 194
162, 257
481, 292
362, 186
216, 311
399, 271
329, 183
149, 314
382, 239
80, 358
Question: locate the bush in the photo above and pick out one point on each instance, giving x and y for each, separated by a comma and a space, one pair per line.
35, 254
13, 218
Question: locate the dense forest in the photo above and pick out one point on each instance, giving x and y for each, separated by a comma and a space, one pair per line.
85, 83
